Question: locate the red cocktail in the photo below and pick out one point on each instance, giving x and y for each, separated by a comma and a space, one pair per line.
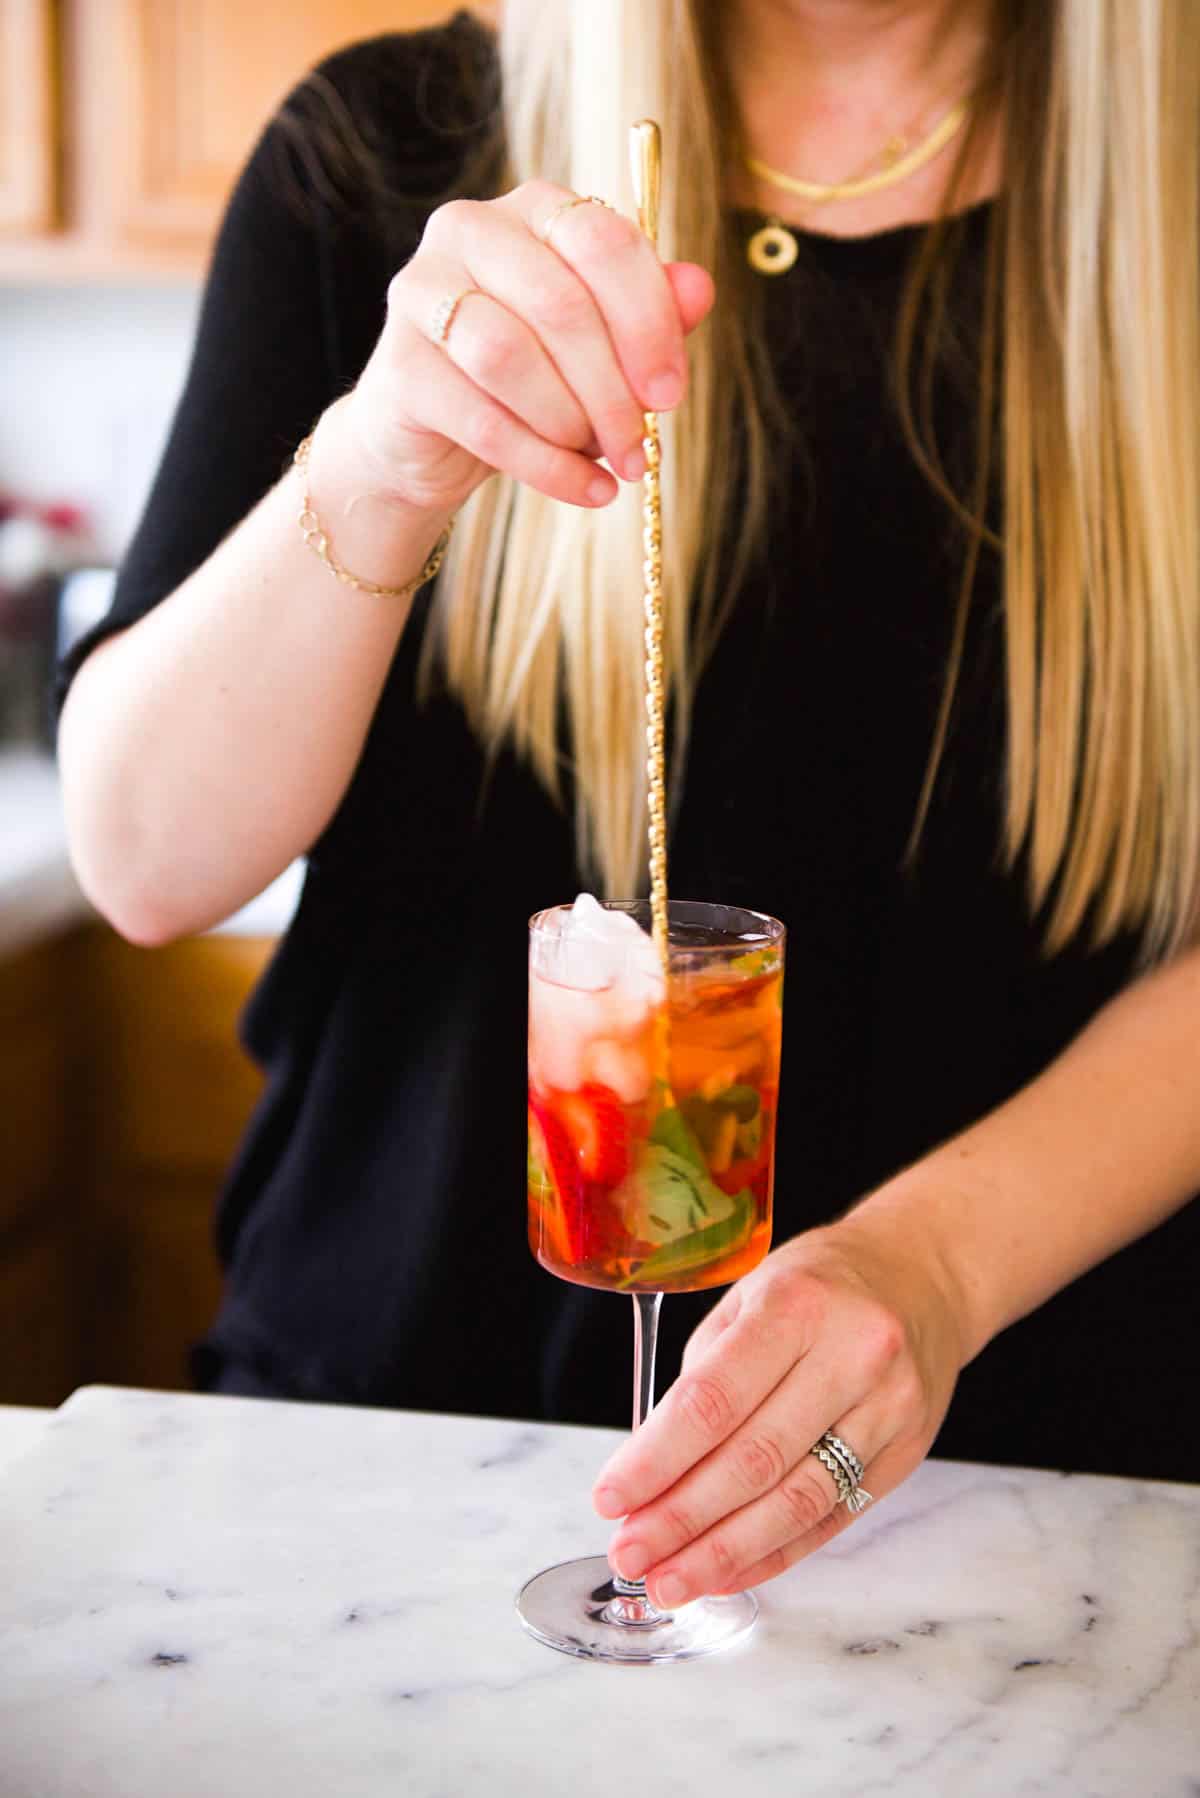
652, 1108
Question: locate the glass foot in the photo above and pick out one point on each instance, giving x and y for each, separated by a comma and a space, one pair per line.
575, 1608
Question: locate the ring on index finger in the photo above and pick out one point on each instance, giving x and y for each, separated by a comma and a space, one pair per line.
547, 225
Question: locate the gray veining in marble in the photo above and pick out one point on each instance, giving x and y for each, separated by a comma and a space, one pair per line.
206, 1596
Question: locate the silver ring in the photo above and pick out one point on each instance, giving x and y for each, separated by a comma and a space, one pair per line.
565, 206
839, 1459
846, 1452
443, 314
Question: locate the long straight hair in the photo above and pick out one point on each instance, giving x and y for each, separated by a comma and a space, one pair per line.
1092, 319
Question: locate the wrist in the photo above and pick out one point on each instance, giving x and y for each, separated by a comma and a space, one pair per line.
378, 535
910, 1223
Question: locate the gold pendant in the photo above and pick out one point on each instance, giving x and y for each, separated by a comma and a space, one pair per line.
772, 250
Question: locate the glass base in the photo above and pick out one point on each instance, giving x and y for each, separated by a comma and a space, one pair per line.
576, 1608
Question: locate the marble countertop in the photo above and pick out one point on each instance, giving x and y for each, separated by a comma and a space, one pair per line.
209, 1596
22, 1427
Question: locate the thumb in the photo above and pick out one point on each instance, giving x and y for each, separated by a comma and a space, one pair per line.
694, 291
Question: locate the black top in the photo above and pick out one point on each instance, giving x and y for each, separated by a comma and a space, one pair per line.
373, 1227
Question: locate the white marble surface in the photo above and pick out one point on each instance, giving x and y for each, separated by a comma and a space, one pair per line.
204, 1596
21, 1428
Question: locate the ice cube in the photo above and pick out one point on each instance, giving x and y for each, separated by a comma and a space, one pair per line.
561, 1025
575, 951
597, 980
592, 949
621, 1067
606, 948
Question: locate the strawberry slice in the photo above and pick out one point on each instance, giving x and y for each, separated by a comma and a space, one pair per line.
551, 1145
594, 1121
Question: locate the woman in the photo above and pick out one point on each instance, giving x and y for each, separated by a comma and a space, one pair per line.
933, 538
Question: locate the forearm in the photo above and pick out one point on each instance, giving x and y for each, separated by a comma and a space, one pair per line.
1093, 1153
209, 744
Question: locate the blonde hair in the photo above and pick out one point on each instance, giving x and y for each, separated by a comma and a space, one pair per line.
1096, 301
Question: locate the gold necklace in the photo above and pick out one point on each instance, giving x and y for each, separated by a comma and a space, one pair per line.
773, 248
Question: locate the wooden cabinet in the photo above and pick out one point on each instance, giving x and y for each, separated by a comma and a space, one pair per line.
123, 1095
176, 1092
159, 102
39, 1073
28, 127
44, 1113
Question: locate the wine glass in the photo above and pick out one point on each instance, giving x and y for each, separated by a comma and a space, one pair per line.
652, 1106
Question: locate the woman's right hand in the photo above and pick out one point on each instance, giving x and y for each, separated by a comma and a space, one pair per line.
557, 349
257, 681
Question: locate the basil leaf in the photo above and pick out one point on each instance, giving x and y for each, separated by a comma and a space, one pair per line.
666, 1197
741, 1100
672, 1131
688, 1253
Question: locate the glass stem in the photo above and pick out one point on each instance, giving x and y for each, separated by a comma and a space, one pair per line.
646, 1307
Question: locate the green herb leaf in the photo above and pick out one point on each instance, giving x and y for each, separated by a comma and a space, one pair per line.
536, 1177
701, 1119
756, 961
667, 1197
743, 1101
690, 1253
672, 1131
749, 1138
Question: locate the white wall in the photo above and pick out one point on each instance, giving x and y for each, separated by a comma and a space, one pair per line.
89, 376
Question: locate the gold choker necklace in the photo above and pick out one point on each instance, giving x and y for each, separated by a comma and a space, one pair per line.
773, 249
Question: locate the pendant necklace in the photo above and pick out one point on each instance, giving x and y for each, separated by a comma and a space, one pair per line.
773, 248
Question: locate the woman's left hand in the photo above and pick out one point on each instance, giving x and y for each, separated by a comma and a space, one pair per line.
854, 1329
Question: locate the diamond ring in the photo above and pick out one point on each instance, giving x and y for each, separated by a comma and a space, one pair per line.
565, 206
444, 313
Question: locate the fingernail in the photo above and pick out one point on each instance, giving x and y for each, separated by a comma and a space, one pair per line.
671, 1589
633, 466
601, 490
664, 389
609, 1502
632, 1560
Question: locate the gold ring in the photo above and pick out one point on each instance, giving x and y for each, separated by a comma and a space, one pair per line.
565, 206
444, 314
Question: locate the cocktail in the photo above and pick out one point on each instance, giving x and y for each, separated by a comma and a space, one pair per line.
652, 1106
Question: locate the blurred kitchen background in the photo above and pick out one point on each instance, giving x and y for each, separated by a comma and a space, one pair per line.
123, 1091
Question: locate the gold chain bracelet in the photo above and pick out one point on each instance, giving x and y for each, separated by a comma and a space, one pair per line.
317, 539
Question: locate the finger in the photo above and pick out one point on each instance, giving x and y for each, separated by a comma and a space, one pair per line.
801, 1514
700, 1411
439, 398
780, 1559
763, 1480
621, 270
506, 258
495, 348
864, 1431
695, 294
888, 1472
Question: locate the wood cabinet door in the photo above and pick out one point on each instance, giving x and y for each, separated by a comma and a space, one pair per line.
178, 90
45, 1112
174, 1093
28, 125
